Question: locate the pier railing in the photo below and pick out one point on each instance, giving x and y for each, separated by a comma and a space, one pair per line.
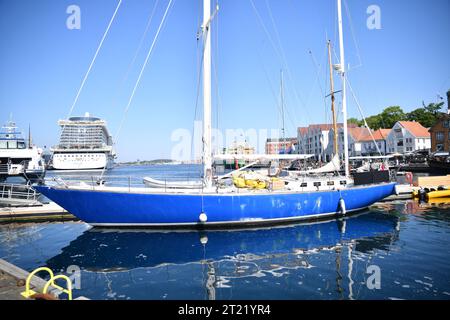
10, 193
4, 168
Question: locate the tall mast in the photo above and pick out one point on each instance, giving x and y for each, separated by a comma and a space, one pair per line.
207, 158
344, 98
282, 104
335, 136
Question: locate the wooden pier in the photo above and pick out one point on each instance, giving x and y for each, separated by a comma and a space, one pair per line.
13, 279
39, 213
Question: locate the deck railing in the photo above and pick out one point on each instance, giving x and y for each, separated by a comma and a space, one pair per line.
10, 191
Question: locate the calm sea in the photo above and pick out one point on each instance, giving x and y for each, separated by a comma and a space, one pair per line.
395, 250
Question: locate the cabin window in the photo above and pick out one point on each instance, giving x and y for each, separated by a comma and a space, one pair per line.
12, 144
317, 184
330, 183
21, 145
303, 185
3, 145
343, 182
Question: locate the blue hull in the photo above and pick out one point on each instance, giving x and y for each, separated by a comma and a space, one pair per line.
108, 208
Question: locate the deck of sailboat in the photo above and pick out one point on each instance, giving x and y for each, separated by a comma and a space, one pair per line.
223, 191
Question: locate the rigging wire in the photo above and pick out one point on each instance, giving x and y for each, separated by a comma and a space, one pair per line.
199, 79
169, 5
317, 82
138, 49
279, 52
93, 59
150, 51
216, 77
362, 115
352, 31
280, 45
90, 66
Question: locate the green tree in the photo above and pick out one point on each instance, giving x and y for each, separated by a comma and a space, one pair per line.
433, 108
391, 115
355, 121
427, 115
375, 122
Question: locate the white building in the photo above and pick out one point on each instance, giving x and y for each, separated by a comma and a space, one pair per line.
369, 146
356, 136
317, 139
408, 136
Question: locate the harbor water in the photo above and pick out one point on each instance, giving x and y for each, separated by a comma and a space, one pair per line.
394, 250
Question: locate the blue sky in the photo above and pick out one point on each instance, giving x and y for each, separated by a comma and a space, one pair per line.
42, 64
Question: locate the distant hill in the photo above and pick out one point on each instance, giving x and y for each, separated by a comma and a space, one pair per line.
148, 162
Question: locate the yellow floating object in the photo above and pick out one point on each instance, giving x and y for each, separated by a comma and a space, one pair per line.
437, 194
439, 200
239, 182
261, 185
415, 193
251, 183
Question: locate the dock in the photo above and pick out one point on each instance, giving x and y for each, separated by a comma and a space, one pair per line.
37, 213
12, 282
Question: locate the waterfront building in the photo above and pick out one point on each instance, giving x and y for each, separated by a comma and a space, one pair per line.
440, 131
317, 139
361, 142
240, 148
281, 145
407, 137
369, 144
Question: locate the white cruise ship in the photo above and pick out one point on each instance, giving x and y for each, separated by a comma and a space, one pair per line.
85, 144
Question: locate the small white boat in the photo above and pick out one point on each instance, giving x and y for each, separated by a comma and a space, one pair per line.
154, 183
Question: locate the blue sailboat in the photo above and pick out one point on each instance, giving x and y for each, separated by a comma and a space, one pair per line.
214, 204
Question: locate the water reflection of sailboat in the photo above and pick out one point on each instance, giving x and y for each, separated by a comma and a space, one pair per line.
229, 255
98, 249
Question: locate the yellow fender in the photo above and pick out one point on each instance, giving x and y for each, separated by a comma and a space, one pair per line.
251, 183
239, 182
438, 194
